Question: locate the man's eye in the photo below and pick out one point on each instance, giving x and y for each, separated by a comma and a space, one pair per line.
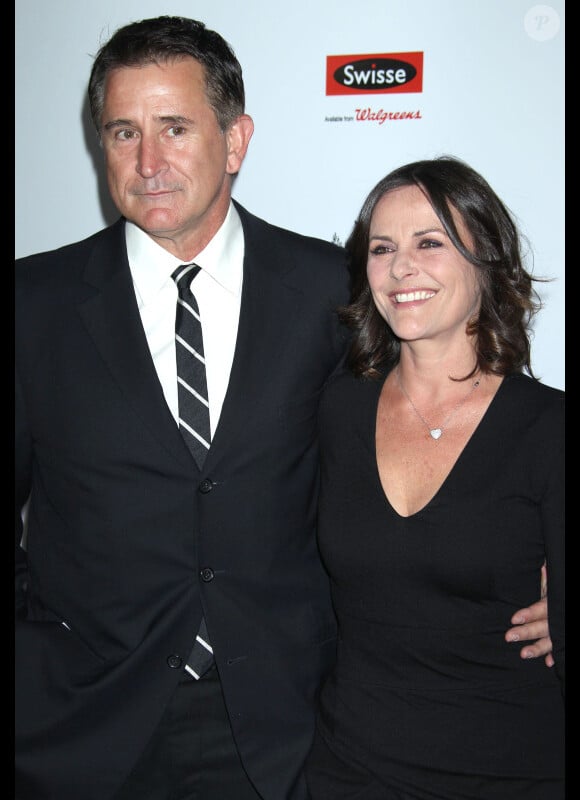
176, 130
125, 134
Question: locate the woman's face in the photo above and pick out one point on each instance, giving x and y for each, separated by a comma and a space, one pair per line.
421, 284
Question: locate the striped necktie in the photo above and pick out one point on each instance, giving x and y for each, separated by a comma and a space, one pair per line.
191, 377
193, 412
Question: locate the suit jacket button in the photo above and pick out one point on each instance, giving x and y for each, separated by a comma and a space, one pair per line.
205, 486
174, 661
207, 574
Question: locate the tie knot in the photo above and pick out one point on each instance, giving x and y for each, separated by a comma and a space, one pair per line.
184, 274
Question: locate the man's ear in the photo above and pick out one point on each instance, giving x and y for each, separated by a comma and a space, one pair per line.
238, 138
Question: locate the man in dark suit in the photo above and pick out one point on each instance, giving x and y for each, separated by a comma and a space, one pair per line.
130, 546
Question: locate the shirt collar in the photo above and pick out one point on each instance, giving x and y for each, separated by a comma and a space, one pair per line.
152, 265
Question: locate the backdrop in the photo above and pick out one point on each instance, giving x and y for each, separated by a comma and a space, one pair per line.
340, 92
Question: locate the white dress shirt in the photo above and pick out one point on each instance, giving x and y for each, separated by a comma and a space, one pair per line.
218, 291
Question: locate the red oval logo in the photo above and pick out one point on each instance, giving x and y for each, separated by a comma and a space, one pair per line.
371, 74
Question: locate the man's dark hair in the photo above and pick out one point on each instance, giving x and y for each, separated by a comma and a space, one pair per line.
162, 39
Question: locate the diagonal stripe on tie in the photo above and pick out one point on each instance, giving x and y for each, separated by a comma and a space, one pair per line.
193, 412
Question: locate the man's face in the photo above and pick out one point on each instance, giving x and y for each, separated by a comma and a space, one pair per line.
169, 165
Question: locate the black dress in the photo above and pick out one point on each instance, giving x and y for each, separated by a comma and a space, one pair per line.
427, 700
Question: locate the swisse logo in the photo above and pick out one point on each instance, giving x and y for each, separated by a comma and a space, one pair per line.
387, 73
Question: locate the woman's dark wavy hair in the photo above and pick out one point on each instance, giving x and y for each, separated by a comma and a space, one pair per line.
162, 39
508, 302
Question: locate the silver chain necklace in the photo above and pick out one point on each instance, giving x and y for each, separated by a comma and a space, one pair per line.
435, 433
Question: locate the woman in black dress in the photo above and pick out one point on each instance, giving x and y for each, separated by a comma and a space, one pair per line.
442, 496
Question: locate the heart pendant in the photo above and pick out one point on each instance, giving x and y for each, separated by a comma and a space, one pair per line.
435, 433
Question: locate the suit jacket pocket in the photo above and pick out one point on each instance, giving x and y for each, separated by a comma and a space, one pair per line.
51, 654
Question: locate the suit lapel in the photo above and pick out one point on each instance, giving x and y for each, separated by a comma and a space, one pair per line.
112, 318
269, 299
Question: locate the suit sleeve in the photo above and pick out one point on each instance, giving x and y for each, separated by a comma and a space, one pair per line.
23, 452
